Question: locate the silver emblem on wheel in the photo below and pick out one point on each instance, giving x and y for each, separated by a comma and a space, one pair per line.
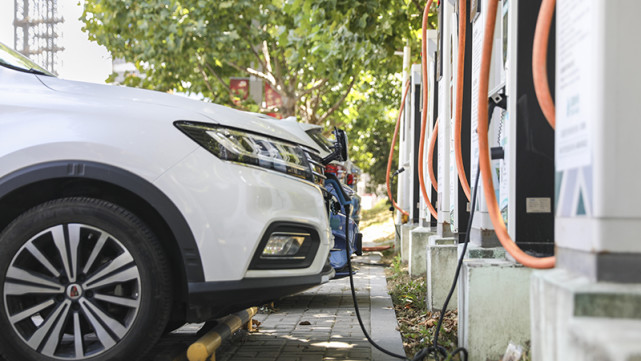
74, 292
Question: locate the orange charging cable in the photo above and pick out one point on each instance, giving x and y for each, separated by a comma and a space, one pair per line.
391, 151
430, 155
460, 74
421, 146
540, 61
484, 156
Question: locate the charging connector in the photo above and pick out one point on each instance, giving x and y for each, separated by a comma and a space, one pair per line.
398, 171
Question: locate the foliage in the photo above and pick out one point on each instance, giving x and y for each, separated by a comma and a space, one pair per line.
332, 61
311, 52
380, 213
397, 269
416, 323
369, 119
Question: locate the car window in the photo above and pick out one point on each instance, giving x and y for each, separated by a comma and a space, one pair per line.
10, 58
319, 139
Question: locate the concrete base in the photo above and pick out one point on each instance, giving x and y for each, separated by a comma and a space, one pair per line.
405, 241
440, 266
602, 266
419, 238
493, 306
600, 339
444, 230
474, 251
574, 318
484, 238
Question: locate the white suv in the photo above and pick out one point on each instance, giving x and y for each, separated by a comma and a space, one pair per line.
124, 210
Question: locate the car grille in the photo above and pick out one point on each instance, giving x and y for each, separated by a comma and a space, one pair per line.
317, 167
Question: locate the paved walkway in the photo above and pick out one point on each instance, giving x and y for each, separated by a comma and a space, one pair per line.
320, 324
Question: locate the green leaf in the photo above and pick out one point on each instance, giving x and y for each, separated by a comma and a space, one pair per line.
362, 22
326, 43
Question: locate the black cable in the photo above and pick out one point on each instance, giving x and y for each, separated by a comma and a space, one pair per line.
434, 348
351, 283
421, 354
395, 228
459, 265
462, 350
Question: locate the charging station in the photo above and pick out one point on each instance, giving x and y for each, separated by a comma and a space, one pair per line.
433, 96
522, 140
440, 251
588, 307
459, 203
522, 147
403, 174
426, 220
567, 191
419, 236
445, 84
415, 109
598, 213
482, 233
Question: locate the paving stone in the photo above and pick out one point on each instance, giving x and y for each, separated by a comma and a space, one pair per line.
333, 332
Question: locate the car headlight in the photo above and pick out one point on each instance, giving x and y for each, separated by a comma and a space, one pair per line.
250, 148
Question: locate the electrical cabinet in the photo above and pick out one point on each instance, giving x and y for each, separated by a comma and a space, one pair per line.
524, 174
598, 89
459, 204
445, 104
424, 214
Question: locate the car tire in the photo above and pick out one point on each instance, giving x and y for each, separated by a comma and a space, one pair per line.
81, 278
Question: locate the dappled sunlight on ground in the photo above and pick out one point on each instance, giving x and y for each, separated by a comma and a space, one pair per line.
380, 232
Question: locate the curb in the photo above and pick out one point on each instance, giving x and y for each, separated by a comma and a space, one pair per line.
384, 327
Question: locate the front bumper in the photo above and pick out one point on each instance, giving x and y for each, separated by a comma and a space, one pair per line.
208, 300
229, 208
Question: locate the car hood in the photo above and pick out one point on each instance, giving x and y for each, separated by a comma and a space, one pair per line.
296, 128
194, 110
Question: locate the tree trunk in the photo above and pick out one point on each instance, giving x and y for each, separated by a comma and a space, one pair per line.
288, 108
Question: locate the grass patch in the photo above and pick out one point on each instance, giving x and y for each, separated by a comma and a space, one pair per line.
380, 213
377, 224
416, 324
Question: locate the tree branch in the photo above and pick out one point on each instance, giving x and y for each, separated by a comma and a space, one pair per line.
206, 78
319, 83
265, 63
267, 77
312, 103
277, 76
317, 102
268, 59
260, 60
250, 45
338, 103
218, 77
278, 70
418, 6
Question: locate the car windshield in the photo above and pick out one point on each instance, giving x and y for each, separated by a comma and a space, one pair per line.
10, 58
322, 142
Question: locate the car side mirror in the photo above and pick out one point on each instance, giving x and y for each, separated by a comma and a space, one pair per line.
340, 147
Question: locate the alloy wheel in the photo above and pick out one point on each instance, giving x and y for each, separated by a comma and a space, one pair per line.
72, 291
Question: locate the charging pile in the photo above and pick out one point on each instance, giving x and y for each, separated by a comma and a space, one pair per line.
501, 66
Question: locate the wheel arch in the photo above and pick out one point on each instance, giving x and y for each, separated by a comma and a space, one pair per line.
33, 185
